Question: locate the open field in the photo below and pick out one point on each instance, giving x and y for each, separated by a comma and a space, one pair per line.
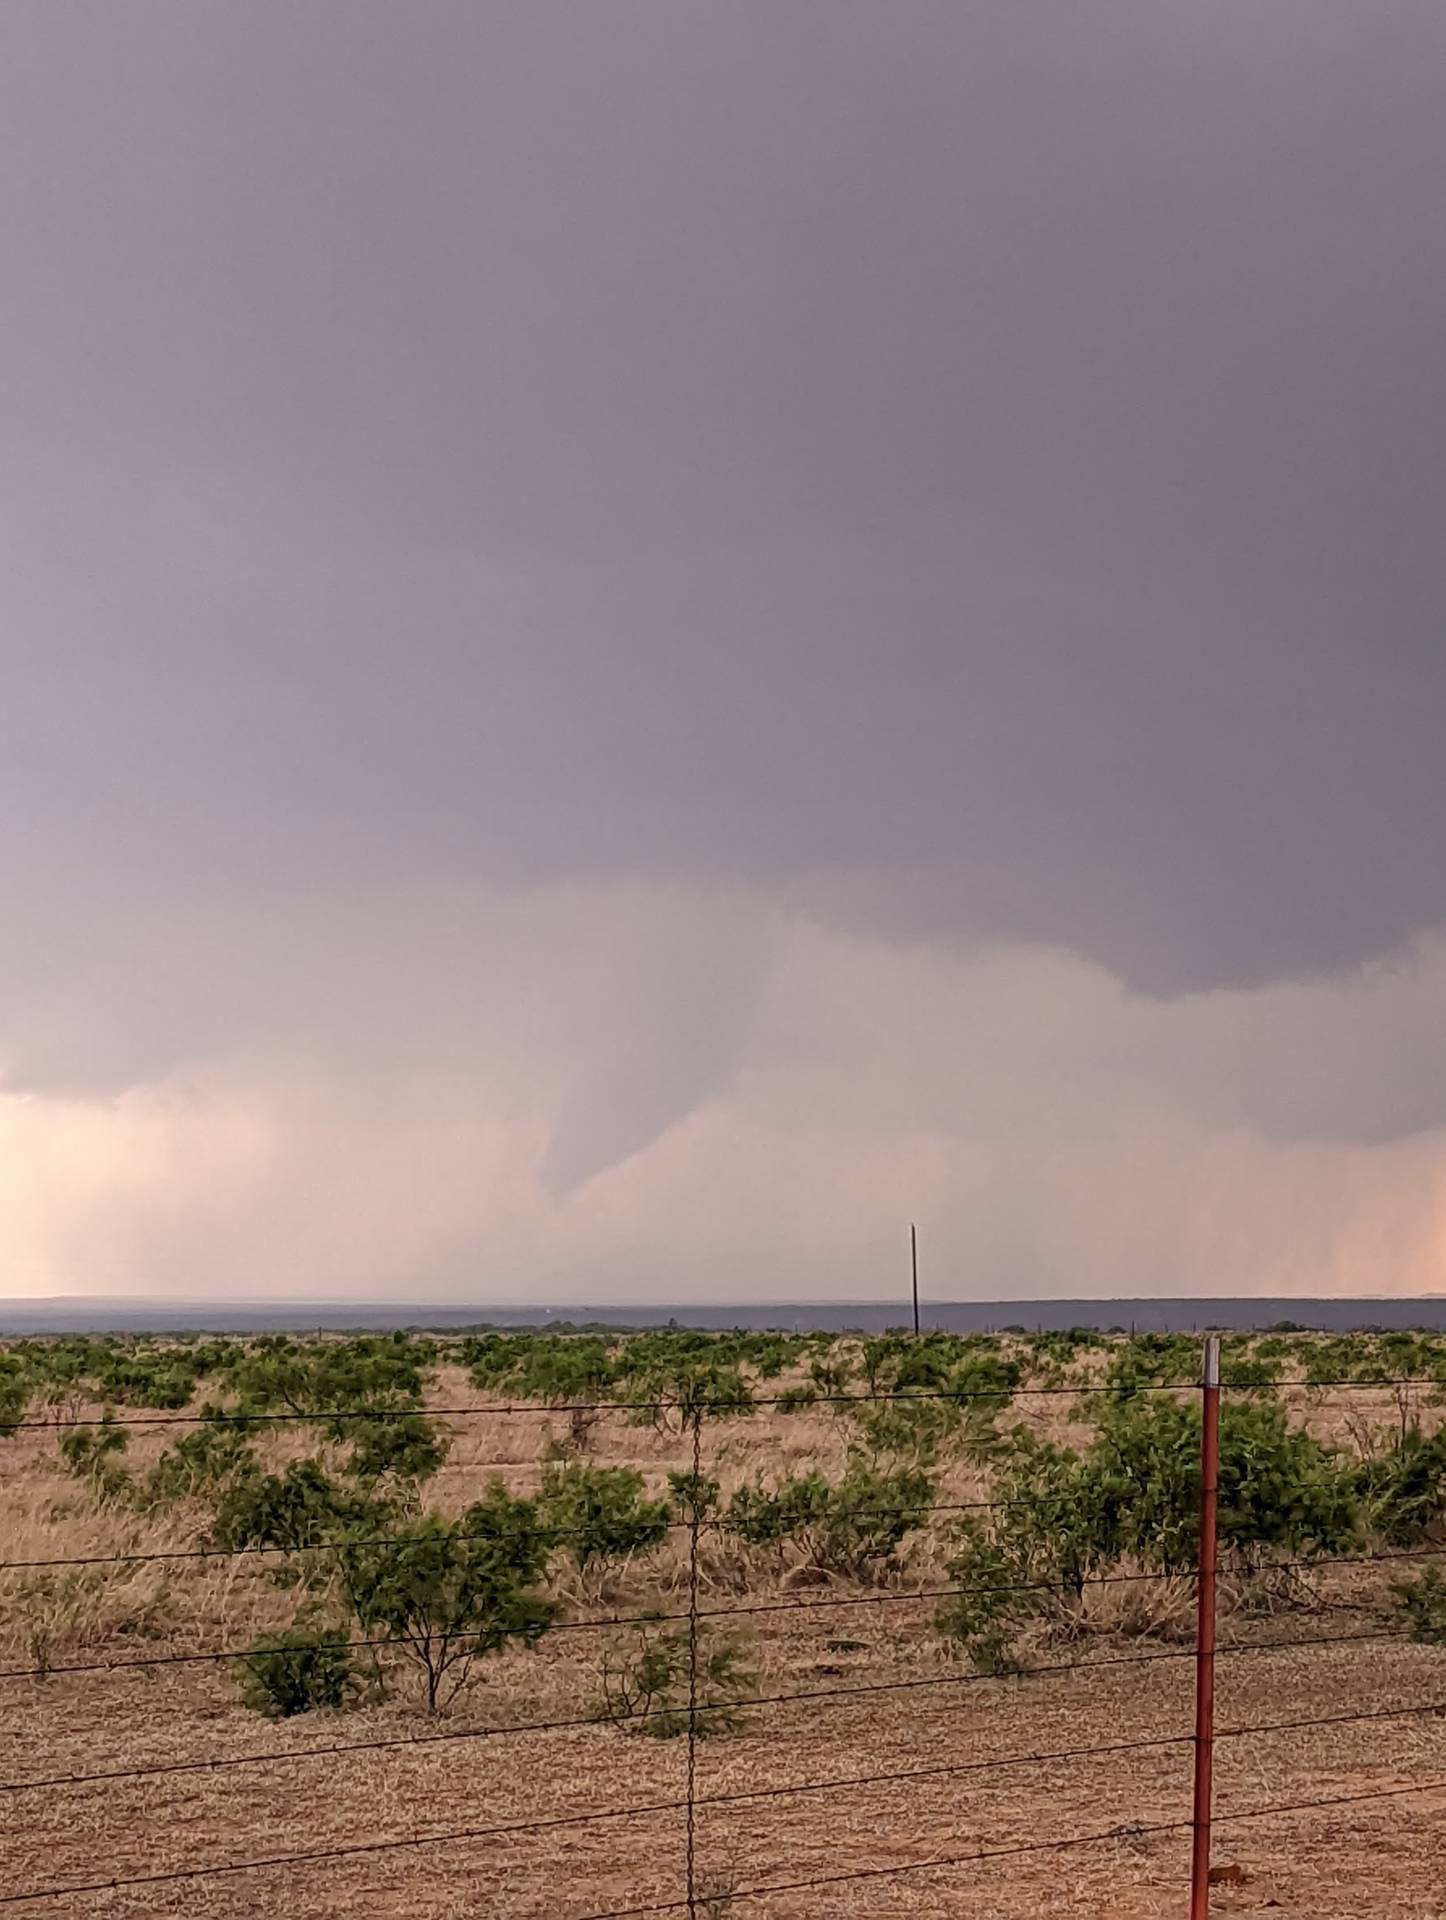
840, 1600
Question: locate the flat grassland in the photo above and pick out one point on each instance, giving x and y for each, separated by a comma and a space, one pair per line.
881, 1690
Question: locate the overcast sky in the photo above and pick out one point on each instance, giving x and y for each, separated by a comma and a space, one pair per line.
640, 639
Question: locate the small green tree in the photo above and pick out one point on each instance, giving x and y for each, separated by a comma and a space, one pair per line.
763, 1516
1052, 1355
1346, 1356
912, 1426
1281, 1491
448, 1595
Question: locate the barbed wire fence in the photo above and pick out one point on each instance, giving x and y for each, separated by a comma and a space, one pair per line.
692, 1807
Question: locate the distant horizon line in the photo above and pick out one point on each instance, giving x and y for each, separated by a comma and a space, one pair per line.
135, 1316
355, 1302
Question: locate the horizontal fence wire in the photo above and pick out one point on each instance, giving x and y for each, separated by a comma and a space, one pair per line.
699, 1801
815, 1696
453, 1737
682, 1408
458, 1836
595, 1623
754, 1793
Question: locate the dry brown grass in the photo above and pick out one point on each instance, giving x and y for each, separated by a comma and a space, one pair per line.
1382, 1858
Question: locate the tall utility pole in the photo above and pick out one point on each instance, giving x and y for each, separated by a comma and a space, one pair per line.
914, 1263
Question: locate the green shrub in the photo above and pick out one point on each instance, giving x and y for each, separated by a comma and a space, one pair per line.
368, 1374
760, 1516
1403, 1490
766, 1355
1349, 1356
203, 1462
915, 1419
550, 1367
852, 1527
1247, 1364
407, 1447
1411, 1356
797, 1399
982, 1386
1064, 1344
1064, 1518
1011, 1562
1154, 1359
17, 1383
1052, 1355
295, 1510
830, 1375
164, 1378
694, 1496
91, 1453
575, 1371
1423, 1602
1280, 1490
305, 1667
645, 1682
671, 1388
866, 1518
598, 1514
681, 1369
896, 1362
912, 1427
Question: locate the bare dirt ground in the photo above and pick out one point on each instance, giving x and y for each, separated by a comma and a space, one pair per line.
1381, 1857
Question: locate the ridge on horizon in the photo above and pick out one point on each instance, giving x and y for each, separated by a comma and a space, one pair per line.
110, 1314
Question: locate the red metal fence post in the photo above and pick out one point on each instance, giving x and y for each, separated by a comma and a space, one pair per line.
1205, 1630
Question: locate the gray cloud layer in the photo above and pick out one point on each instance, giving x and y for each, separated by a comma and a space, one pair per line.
543, 493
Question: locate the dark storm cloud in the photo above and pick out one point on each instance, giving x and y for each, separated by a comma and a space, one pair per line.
974, 470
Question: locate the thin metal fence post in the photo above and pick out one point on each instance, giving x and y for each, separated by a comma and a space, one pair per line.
914, 1268
1205, 1631
693, 1522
